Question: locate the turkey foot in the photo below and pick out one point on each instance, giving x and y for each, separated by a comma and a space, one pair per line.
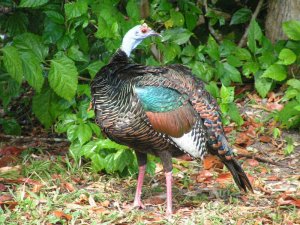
137, 200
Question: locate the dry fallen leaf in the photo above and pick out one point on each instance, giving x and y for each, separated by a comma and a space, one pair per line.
212, 161
68, 186
105, 203
265, 139
204, 176
37, 187
62, 215
224, 177
288, 200
252, 162
274, 106
155, 200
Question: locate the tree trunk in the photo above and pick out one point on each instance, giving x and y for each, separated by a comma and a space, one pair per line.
278, 12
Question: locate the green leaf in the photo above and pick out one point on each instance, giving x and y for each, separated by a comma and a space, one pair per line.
31, 43
290, 116
212, 48
72, 132
75, 9
84, 133
63, 77
41, 107
213, 89
254, 34
276, 72
203, 71
109, 144
12, 62
32, 3
287, 57
96, 129
235, 114
98, 162
11, 126
295, 83
189, 50
170, 52
16, 23
250, 68
234, 61
232, 72
52, 31
94, 67
75, 54
55, 16
133, 9
227, 94
176, 18
242, 53
241, 16
262, 85
32, 71
292, 29
177, 35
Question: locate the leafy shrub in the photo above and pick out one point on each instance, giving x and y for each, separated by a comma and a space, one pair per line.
57, 48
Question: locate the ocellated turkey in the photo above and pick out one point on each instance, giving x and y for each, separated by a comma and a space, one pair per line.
164, 111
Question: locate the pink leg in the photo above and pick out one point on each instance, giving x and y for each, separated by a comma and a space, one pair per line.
137, 199
169, 193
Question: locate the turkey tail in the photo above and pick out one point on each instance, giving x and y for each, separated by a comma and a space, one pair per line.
238, 174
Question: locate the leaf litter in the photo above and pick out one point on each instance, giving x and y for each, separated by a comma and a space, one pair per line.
203, 194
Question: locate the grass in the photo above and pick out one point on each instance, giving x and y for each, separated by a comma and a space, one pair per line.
64, 193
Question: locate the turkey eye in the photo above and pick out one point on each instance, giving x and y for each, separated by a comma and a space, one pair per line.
144, 30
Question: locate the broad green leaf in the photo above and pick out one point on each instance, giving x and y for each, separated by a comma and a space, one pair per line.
94, 68
189, 50
95, 129
55, 16
11, 126
176, 18
276, 72
31, 43
241, 16
90, 149
250, 68
203, 71
72, 132
227, 94
41, 107
107, 143
32, 71
170, 52
262, 85
235, 114
133, 9
9, 88
242, 53
63, 77
254, 34
177, 35
84, 133
98, 162
52, 31
212, 48
234, 61
213, 89
232, 72
292, 29
290, 116
75, 9
32, 3
16, 23
77, 55
12, 62
295, 83
287, 57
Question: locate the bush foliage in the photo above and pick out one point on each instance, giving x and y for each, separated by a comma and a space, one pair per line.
57, 47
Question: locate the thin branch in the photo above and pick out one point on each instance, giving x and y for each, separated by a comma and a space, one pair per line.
254, 15
260, 159
214, 33
29, 138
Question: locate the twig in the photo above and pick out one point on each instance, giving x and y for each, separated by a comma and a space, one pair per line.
217, 36
260, 159
29, 138
254, 15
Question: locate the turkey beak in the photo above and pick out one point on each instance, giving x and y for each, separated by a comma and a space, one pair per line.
153, 33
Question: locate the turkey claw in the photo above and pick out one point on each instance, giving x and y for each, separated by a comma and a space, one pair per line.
138, 205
